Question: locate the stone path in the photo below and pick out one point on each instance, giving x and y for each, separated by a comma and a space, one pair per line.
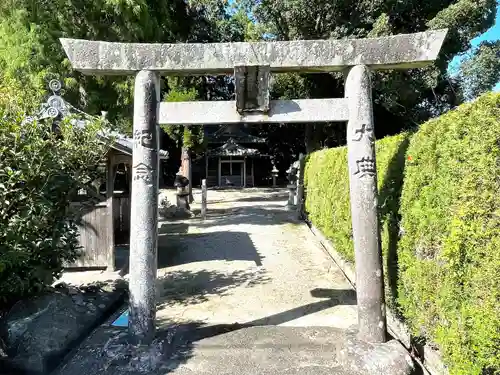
248, 262
247, 291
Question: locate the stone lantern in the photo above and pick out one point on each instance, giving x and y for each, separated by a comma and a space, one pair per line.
182, 185
292, 186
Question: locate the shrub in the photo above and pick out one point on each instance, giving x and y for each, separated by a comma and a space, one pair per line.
440, 190
327, 180
39, 174
449, 255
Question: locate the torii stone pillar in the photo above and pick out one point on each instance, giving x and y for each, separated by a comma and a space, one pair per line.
252, 63
144, 208
363, 194
300, 186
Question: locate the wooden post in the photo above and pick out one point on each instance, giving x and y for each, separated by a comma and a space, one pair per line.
129, 176
253, 178
219, 173
110, 232
245, 172
206, 166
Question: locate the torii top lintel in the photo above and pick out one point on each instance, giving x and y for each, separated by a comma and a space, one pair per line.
404, 51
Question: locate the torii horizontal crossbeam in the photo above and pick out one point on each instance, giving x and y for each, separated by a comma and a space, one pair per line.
280, 111
392, 52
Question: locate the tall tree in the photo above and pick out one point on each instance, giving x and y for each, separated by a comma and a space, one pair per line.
186, 138
402, 99
214, 23
480, 71
32, 29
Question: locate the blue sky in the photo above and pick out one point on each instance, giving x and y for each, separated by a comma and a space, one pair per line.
493, 33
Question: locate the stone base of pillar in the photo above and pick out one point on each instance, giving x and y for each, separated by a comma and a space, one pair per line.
292, 195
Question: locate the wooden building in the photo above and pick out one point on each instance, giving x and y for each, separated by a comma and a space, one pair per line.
234, 158
103, 206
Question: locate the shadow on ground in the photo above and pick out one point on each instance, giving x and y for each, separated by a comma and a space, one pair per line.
174, 250
258, 190
389, 202
174, 238
176, 246
281, 196
200, 330
186, 288
274, 196
182, 336
271, 214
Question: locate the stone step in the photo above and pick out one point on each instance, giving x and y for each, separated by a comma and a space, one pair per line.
196, 349
234, 349
277, 350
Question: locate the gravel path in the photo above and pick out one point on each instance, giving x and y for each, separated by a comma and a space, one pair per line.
248, 262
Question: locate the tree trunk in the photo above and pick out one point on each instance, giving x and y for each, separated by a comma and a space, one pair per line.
311, 140
186, 170
308, 137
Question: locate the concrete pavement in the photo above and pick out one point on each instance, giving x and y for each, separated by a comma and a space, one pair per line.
249, 290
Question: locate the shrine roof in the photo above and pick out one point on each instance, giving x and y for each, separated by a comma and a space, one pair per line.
228, 132
232, 148
56, 107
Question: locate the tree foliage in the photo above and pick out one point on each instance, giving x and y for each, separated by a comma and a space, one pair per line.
29, 31
40, 173
184, 136
402, 99
480, 71
22, 68
33, 52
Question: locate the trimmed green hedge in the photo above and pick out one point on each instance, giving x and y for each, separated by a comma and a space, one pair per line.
440, 228
326, 180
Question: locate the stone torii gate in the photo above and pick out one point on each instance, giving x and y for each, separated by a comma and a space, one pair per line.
252, 63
